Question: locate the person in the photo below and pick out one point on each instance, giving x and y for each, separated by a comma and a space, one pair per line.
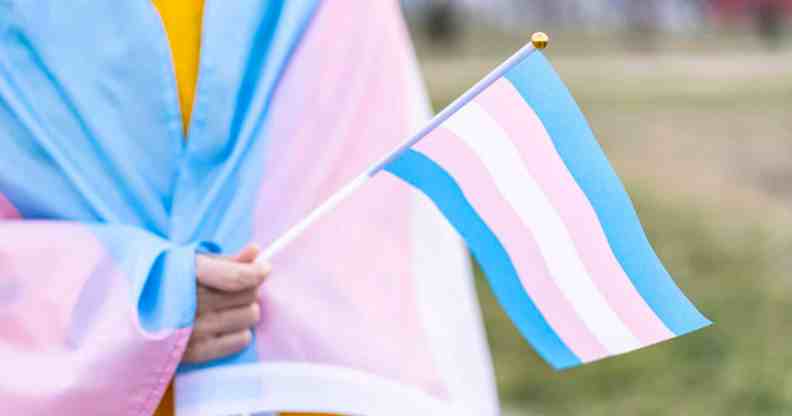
152, 149
443, 23
770, 22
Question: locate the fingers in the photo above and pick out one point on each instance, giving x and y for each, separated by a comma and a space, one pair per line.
227, 308
228, 275
248, 254
226, 321
211, 300
202, 350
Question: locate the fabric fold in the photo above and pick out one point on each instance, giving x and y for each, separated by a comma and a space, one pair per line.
103, 205
93, 318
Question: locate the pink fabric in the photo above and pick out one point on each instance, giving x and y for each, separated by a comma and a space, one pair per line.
70, 346
471, 175
506, 106
7, 210
354, 266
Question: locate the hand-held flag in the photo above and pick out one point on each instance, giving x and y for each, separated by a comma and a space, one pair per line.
515, 168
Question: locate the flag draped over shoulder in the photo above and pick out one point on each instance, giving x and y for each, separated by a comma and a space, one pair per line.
104, 203
520, 175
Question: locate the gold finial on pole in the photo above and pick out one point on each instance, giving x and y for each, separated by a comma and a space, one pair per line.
540, 40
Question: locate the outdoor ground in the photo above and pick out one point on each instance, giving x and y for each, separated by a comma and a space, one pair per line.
702, 137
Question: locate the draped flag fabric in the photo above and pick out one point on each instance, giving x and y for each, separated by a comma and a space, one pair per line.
519, 174
104, 203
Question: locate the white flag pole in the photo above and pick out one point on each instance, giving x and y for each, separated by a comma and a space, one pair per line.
538, 41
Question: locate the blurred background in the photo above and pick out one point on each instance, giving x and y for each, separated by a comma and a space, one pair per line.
692, 101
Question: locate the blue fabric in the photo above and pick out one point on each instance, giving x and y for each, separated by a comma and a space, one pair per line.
543, 90
94, 134
421, 172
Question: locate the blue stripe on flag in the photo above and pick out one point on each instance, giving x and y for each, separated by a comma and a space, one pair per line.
543, 90
293, 18
418, 170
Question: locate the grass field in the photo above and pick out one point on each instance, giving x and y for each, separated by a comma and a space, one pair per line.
702, 137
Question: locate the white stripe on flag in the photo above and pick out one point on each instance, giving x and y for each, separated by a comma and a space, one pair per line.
295, 387
450, 311
446, 293
474, 126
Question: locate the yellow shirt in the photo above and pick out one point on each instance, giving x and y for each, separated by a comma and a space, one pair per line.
182, 20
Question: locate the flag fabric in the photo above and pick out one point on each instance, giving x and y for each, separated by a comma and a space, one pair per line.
519, 174
104, 204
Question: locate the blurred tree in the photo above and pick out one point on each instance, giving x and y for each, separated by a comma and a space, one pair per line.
443, 22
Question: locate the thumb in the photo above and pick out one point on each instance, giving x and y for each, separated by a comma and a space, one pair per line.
248, 254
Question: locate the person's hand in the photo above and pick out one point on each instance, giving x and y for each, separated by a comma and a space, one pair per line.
227, 304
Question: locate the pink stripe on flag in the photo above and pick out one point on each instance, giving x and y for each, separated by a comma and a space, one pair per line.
62, 360
336, 298
7, 210
475, 181
349, 302
505, 105
317, 120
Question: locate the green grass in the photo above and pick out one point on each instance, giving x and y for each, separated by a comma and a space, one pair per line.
738, 366
702, 139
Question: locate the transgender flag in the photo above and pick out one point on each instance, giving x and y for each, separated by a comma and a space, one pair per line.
516, 170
